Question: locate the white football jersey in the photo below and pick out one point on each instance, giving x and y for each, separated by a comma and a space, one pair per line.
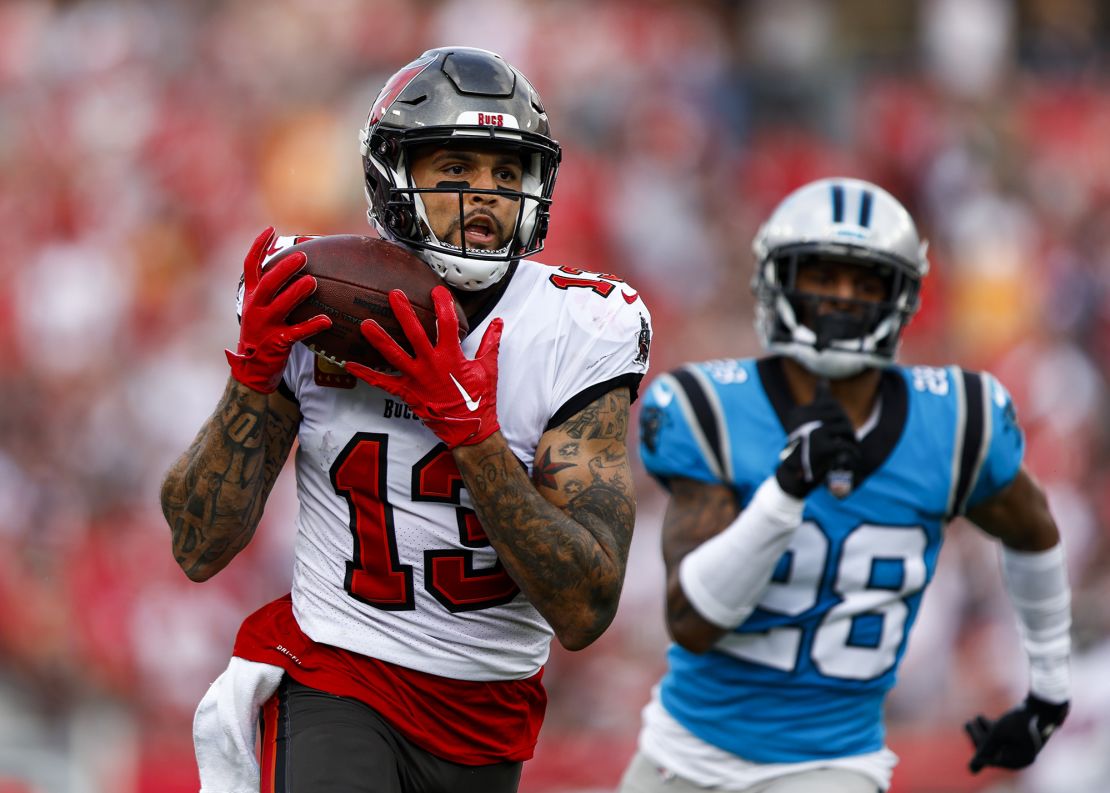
390, 559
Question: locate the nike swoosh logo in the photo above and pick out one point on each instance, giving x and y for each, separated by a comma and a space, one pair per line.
630, 299
471, 404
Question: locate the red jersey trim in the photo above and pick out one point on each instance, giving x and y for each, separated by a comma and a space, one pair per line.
463, 721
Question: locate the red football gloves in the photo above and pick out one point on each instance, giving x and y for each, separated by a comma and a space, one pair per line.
264, 338
454, 396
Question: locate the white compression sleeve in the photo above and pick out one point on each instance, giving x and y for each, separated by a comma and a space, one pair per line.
724, 577
1037, 583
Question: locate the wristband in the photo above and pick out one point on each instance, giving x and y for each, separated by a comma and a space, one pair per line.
725, 577
1037, 583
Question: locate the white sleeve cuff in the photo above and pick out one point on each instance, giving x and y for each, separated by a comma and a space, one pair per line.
1037, 583
725, 577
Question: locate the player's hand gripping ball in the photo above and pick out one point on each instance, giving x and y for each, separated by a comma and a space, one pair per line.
354, 276
269, 298
455, 396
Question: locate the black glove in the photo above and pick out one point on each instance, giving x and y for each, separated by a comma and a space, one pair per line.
821, 444
1014, 739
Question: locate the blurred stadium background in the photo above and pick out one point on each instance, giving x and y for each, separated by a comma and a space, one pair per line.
143, 144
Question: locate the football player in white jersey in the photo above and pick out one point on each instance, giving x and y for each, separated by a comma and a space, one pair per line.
810, 491
454, 514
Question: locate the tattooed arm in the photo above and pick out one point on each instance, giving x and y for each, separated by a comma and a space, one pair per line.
213, 495
696, 512
563, 537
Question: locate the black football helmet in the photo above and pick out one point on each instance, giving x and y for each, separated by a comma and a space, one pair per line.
447, 95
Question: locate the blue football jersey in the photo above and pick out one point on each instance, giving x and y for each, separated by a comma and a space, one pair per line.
804, 677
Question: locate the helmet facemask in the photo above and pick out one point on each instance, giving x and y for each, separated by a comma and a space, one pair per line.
405, 218
833, 340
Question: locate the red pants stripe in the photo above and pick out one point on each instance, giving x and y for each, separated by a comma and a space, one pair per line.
269, 719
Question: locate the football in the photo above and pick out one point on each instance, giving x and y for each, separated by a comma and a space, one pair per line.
354, 276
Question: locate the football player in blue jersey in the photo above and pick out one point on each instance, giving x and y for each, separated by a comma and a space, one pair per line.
809, 493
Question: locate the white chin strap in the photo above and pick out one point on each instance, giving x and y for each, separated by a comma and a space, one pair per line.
465, 272
469, 275
830, 363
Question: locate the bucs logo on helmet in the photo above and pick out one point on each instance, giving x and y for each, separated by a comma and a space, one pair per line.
397, 83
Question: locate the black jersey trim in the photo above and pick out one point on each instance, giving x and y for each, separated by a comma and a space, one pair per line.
592, 393
878, 444
706, 414
773, 377
495, 293
976, 431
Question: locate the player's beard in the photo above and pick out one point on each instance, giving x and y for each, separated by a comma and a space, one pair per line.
458, 225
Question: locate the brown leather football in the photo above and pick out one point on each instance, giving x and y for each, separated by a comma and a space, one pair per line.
354, 276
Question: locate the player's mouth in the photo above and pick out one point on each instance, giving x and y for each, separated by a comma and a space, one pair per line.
481, 231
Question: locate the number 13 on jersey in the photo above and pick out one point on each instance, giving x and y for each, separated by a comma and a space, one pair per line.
375, 574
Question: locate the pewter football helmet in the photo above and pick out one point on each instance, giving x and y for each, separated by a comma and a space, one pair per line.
447, 95
844, 220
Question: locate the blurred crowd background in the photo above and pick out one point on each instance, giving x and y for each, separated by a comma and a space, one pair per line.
144, 144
